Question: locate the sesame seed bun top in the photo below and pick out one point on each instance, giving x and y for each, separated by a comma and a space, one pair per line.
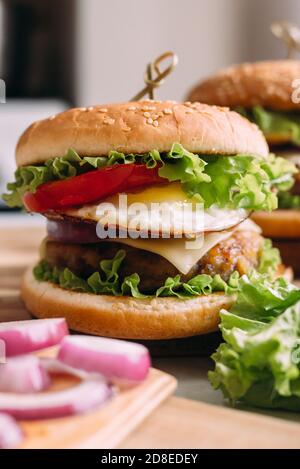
138, 127
269, 84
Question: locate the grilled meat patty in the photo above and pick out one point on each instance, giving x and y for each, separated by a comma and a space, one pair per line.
240, 252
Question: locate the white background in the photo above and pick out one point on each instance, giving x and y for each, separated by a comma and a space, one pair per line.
117, 37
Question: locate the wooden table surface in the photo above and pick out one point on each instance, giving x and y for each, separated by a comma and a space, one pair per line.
178, 422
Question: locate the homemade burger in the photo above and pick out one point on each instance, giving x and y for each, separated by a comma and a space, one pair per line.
267, 93
142, 287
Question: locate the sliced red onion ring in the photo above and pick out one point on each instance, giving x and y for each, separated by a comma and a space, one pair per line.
10, 432
23, 374
55, 366
72, 231
77, 399
118, 360
22, 337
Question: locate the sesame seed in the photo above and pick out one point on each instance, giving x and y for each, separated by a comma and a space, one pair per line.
187, 103
131, 108
155, 123
205, 113
150, 120
167, 111
147, 114
189, 111
90, 108
146, 108
103, 109
51, 118
109, 120
160, 114
126, 128
155, 116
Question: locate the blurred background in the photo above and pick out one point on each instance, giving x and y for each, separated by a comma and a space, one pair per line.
59, 53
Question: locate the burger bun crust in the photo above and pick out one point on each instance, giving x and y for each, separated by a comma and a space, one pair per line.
139, 127
281, 223
266, 83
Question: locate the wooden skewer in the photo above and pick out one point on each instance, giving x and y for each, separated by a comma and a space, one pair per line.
153, 68
289, 34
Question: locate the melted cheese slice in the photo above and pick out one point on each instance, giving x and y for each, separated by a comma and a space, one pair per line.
181, 253
184, 254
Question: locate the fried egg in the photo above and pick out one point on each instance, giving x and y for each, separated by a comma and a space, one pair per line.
159, 212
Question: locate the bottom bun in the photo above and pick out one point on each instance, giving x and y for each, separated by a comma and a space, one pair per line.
124, 317
279, 224
283, 227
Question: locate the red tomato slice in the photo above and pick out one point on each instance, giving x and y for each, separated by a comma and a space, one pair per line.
90, 187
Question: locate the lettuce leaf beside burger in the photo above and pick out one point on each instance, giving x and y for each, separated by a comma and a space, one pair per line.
259, 362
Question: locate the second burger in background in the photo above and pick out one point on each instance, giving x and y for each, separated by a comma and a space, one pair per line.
267, 93
158, 285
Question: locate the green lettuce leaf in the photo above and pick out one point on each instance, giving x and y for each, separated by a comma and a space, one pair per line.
64, 278
70, 281
263, 298
259, 363
281, 123
107, 280
284, 123
27, 179
240, 181
288, 200
130, 286
245, 182
201, 284
184, 166
269, 259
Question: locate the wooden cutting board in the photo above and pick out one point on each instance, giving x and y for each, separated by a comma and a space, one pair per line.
103, 428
